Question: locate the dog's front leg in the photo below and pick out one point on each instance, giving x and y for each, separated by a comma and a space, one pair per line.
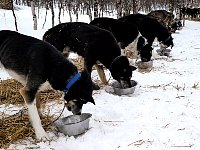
38, 105
101, 73
34, 118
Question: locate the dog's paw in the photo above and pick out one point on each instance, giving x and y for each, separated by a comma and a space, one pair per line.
109, 89
42, 136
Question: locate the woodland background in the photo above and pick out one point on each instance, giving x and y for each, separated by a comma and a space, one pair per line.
96, 8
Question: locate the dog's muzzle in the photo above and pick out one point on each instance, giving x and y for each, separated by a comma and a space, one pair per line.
74, 107
125, 84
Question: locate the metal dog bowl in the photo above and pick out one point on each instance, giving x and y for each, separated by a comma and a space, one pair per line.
163, 52
144, 65
74, 124
120, 91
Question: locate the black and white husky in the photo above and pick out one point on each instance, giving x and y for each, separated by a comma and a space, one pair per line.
33, 62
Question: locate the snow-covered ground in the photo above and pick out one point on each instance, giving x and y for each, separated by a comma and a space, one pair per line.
162, 114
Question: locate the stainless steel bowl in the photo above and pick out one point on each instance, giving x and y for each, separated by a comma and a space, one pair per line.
74, 124
163, 52
120, 91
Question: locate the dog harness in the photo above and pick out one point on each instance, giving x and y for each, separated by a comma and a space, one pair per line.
71, 82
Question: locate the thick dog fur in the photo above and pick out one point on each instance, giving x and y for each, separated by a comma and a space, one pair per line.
125, 34
164, 17
167, 19
150, 28
33, 62
93, 44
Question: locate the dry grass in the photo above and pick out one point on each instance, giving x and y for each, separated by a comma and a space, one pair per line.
9, 93
17, 127
195, 19
130, 54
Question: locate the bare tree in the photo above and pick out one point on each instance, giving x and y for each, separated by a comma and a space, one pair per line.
14, 15
96, 4
89, 11
52, 11
76, 7
47, 8
60, 7
98, 8
101, 8
126, 6
171, 6
134, 6
69, 6
119, 8
34, 15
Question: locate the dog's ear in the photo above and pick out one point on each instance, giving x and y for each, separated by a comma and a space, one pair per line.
133, 68
86, 77
90, 99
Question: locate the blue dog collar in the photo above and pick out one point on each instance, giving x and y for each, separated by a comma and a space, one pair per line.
72, 81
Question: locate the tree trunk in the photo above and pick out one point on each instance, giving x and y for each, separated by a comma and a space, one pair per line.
69, 9
96, 8
171, 6
45, 18
60, 6
126, 8
119, 8
101, 5
34, 15
14, 16
76, 8
134, 5
52, 12
89, 11
178, 8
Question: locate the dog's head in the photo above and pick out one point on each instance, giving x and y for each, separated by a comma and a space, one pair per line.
79, 93
167, 42
121, 71
144, 49
173, 27
146, 53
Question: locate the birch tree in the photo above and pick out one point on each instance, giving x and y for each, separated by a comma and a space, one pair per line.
34, 15
52, 12
96, 8
126, 7
69, 6
119, 8
12, 7
60, 7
